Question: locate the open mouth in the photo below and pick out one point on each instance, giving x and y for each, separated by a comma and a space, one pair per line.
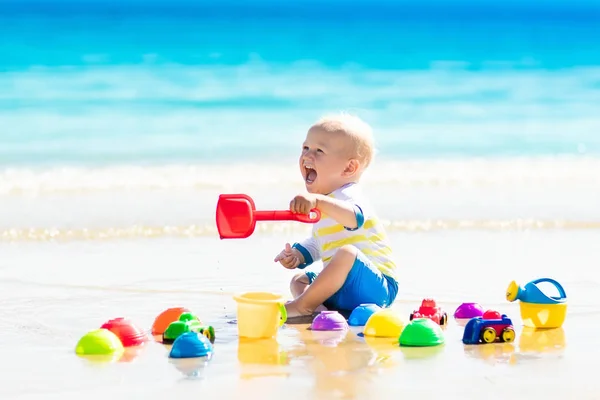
310, 174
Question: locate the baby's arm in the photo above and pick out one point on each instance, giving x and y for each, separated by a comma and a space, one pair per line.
346, 213
309, 248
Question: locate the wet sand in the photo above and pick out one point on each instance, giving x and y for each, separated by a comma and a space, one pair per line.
51, 294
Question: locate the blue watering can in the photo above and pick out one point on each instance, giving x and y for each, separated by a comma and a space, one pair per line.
531, 293
538, 310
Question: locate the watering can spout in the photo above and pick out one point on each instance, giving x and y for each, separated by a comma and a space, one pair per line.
513, 292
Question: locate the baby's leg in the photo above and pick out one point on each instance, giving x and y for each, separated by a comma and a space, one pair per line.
329, 281
299, 284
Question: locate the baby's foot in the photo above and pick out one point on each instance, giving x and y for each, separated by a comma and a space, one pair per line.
297, 315
293, 310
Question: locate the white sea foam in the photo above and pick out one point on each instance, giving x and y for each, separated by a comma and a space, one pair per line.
415, 196
563, 172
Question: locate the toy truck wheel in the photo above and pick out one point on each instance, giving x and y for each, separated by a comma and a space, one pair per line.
488, 335
508, 335
444, 319
411, 316
208, 333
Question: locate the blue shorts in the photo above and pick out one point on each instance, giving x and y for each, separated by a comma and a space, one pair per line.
365, 284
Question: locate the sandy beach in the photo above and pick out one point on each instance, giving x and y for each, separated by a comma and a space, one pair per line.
51, 294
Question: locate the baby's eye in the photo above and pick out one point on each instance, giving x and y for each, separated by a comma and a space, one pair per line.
304, 148
319, 151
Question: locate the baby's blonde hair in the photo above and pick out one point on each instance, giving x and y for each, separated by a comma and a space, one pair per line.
356, 129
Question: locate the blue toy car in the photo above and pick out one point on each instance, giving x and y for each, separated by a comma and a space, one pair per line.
491, 327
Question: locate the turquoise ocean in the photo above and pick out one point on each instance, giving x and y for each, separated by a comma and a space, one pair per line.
130, 95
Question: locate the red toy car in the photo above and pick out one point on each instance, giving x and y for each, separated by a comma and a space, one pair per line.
491, 327
430, 310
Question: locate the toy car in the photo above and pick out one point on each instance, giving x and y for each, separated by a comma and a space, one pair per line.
430, 310
491, 327
187, 323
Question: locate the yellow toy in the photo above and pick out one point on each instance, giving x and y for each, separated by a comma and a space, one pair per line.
384, 323
259, 314
539, 310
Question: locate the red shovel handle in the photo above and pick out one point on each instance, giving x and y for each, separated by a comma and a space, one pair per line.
311, 218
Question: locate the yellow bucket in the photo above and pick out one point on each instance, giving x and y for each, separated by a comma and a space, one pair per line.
259, 314
536, 315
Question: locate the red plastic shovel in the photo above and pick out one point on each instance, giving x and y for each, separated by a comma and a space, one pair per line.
237, 216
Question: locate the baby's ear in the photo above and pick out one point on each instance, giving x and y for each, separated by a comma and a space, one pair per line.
351, 168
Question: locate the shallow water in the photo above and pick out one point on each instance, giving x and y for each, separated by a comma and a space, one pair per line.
52, 293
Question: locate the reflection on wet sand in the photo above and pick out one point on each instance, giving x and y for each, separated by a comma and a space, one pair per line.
261, 357
191, 368
345, 363
385, 350
495, 353
542, 340
530, 341
98, 360
131, 353
415, 353
339, 362
127, 355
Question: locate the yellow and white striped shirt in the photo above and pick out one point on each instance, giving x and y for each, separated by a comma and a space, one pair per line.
370, 237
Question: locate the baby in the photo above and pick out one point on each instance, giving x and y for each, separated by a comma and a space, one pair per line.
349, 239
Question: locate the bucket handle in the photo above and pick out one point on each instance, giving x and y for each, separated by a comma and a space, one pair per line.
283, 313
558, 286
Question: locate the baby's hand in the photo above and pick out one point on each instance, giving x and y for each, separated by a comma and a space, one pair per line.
303, 203
289, 257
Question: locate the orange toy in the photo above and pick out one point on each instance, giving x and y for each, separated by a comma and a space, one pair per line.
164, 319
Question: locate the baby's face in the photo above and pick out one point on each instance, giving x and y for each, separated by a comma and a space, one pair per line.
324, 159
